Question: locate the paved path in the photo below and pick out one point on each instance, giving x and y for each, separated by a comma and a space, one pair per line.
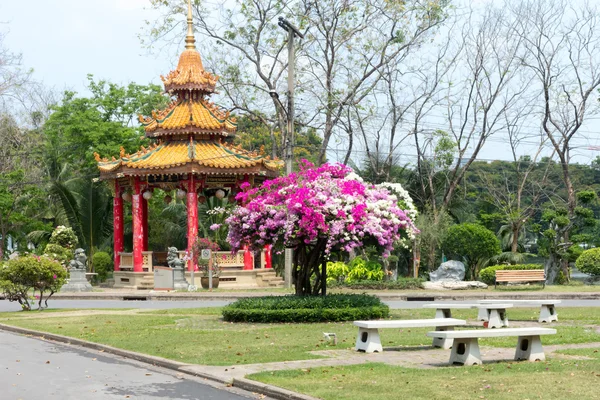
161, 305
36, 369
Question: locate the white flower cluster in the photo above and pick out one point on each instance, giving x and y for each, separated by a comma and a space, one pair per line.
217, 211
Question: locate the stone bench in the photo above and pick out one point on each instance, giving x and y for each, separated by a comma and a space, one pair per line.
547, 308
494, 313
465, 350
444, 310
368, 331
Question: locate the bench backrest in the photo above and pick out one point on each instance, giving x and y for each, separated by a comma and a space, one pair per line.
520, 275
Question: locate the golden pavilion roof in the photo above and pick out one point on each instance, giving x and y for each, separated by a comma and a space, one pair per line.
189, 115
190, 74
213, 157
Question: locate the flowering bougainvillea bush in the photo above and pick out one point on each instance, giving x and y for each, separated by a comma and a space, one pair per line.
20, 275
317, 211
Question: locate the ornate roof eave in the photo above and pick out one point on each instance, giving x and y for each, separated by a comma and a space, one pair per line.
161, 132
188, 168
202, 87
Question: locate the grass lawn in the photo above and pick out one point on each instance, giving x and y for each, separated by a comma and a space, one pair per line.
199, 336
553, 379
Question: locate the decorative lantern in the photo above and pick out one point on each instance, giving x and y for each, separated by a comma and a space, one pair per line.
181, 194
201, 199
167, 199
126, 196
147, 195
219, 194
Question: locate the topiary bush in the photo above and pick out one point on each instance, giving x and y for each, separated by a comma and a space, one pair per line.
64, 237
589, 262
21, 275
331, 308
470, 242
488, 275
58, 253
103, 264
400, 284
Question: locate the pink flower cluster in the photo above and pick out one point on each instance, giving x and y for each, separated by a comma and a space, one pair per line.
317, 203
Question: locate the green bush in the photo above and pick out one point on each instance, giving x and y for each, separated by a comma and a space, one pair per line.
589, 262
103, 264
21, 275
336, 272
488, 275
332, 308
471, 242
61, 254
64, 237
400, 284
364, 270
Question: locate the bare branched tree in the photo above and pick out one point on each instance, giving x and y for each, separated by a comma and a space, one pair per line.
561, 47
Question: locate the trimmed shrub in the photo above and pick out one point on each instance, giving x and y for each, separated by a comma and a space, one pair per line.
64, 237
471, 242
488, 275
103, 264
400, 284
58, 253
589, 262
20, 275
332, 308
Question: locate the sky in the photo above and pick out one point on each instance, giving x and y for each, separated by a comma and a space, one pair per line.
64, 40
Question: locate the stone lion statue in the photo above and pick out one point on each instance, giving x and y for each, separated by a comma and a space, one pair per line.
79, 261
173, 258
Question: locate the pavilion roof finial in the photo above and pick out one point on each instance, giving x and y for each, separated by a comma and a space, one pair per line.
189, 38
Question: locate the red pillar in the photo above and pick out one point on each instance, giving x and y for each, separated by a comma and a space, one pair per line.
138, 227
192, 222
117, 226
144, 222
248, 259
268, 257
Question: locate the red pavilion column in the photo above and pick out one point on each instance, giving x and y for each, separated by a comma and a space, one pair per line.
144, 222
192, 222
138, 227
117, 226
268, 257
248, 259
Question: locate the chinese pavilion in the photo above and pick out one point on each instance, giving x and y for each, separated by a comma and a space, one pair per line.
192, 154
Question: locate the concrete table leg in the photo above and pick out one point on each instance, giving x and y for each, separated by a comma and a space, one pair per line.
548, 313
497, 318
466, 352
483, 314
442, 342
443, 313
530, 348
368, 340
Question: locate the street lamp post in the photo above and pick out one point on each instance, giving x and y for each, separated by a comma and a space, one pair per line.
289, 148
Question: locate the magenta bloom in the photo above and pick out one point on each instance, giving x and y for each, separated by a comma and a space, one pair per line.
54, 276
318, 203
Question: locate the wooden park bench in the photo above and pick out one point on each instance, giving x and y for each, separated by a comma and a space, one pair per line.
547, 308
521, 275
465, 350
368, 331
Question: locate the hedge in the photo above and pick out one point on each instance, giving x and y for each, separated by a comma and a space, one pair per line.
332, 308
400, 284
488, 275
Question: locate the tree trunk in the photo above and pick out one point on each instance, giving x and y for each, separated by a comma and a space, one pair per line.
552, 267
309, 265
514, 247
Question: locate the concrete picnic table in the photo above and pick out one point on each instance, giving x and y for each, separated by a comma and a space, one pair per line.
547, 308
494, 313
